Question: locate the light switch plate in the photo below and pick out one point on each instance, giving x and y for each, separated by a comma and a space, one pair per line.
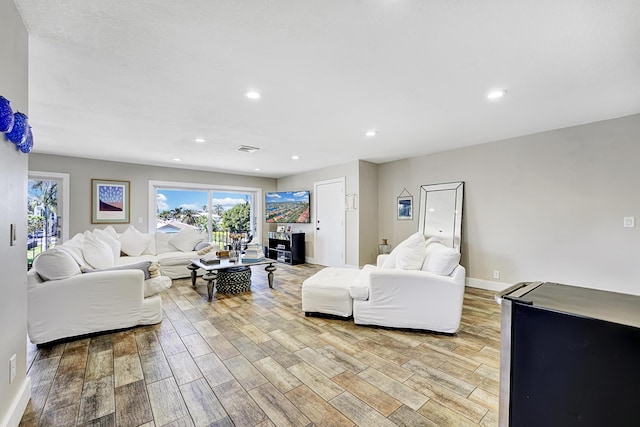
629, 221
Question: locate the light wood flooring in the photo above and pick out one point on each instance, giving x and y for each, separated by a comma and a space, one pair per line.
254, 359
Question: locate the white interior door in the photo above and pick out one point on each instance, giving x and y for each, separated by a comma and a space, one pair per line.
330, 223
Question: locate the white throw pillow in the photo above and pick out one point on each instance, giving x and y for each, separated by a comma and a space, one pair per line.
431, 246
155, 285
111, 231
186, 239
411, 254
96, 252
133, 242
114, 244
162, 243
74, 248
55, 264
443, 261
151, 247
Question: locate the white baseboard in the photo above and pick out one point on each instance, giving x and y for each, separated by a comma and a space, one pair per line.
486, 284
18, 406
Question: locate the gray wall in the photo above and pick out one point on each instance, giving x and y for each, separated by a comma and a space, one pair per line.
305, 181
81, 172
368, 212
13, 193
548, 206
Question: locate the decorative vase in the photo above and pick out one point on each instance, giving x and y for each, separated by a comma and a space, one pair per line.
6, 115
18, 133
27, 145
384, 248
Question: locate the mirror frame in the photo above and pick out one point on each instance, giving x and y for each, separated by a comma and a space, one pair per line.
458, 189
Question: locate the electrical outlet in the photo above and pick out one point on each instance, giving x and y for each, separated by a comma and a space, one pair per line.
496, 274
12, 369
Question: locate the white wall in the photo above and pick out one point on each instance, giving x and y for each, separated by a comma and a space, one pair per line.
304, 181
368, 212
13, 193
548, 206
81, 172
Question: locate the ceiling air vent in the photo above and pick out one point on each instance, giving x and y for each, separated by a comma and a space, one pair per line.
247, 149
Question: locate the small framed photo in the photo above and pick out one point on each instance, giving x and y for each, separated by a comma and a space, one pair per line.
289, 228
109, 201
405, 207
280, 229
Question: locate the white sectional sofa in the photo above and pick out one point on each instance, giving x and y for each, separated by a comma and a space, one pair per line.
86, 286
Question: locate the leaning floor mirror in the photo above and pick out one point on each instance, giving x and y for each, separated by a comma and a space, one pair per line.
440, 212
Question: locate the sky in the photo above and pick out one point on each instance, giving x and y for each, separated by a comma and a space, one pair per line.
190, 199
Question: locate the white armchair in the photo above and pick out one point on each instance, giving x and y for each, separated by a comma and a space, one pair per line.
414, 298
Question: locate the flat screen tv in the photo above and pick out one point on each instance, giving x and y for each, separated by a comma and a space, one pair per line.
288, 206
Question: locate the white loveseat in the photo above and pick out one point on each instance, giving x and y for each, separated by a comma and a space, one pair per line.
420, 285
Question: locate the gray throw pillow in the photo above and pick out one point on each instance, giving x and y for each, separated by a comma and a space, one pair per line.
142, 265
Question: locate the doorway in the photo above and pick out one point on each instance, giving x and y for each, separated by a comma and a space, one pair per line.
330, 222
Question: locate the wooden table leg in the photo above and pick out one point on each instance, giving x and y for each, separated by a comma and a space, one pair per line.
270, 269
193, 269
211, 278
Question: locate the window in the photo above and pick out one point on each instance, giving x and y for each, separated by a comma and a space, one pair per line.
216, 210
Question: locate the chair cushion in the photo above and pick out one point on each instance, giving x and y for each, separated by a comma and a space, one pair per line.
55, 264
442, 261
408, 255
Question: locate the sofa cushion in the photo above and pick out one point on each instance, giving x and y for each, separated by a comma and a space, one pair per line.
133, 241
113, 243
408, 255
413, 240
96, 252
176, 258
442, 261
55, 264
186, 239
111, 231
151, 247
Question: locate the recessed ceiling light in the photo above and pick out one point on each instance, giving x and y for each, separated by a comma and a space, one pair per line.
252, 94
177, 159
199, 140
371, 132
496, 94
257, 169
295, 157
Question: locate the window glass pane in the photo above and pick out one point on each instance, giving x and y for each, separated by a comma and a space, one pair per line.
177, 209
42, 217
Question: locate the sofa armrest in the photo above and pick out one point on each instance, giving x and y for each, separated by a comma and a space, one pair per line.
84, 303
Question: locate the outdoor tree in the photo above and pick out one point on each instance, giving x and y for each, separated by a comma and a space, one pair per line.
237, 219
218, 210
43, 196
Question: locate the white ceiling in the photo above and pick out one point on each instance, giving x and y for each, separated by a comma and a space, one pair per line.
138, 81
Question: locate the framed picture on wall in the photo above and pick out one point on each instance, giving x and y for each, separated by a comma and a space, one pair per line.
405, 207
109, 201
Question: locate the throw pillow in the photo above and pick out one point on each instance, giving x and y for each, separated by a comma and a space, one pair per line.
151, 247
114, 244
162, 242
443, 261
411, 253
96, 252
111, 231
186, 239
55, 264
74, 248
415, 240
156, 285
133, 242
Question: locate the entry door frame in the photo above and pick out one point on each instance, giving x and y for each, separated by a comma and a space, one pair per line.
339, 240
64, 194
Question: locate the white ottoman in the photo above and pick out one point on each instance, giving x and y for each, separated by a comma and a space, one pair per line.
327, 292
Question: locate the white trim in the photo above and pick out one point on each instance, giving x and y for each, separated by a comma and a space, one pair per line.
64, 177
257, 202
340, 180
486, 284
18, 406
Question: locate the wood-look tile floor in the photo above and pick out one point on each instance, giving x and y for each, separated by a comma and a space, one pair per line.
254, 359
